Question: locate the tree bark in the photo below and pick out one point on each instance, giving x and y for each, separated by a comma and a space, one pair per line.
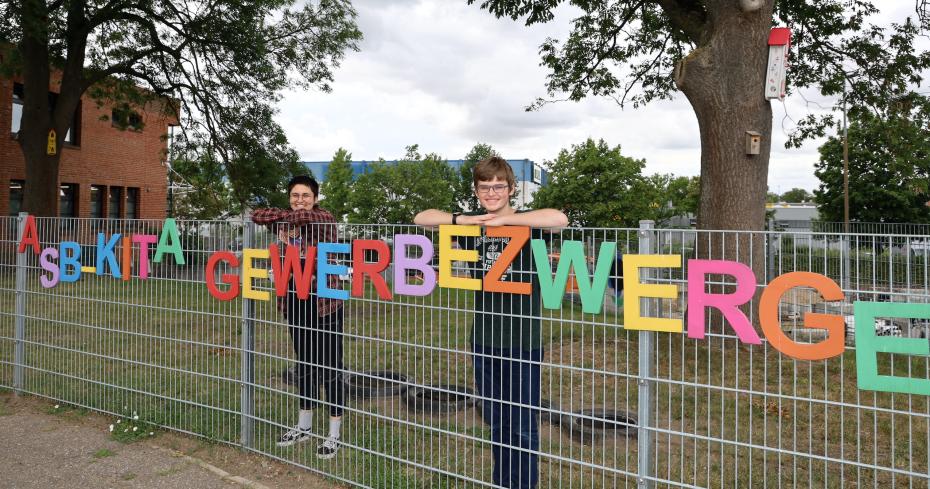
724, 80
42, 169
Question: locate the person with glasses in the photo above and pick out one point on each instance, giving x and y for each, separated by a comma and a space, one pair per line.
315, 322
507, 334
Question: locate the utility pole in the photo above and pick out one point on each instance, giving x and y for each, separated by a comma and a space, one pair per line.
845, 165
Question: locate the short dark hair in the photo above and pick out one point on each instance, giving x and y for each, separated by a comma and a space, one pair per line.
494, 167
304, 180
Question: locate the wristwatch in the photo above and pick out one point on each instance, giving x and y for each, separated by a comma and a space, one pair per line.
455, 217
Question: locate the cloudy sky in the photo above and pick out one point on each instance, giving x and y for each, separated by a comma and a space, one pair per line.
446, 75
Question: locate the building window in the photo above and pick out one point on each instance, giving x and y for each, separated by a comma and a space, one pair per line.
17, 107
132, 203
96, 200
17, 188
124, 117
67, 206
72, 136
115, 203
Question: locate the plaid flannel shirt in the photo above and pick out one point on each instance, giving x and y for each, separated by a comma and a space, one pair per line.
313, 226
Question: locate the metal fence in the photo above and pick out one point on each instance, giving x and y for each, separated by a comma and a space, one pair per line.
620, 408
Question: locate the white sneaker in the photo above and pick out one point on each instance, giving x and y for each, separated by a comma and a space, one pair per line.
328, 448
292, 436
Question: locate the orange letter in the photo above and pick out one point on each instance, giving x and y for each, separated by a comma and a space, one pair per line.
771, 324
519, 235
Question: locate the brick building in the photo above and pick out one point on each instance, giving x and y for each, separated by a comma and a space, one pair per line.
106, 172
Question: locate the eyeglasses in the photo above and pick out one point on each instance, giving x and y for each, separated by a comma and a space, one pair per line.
302, 196
498, 189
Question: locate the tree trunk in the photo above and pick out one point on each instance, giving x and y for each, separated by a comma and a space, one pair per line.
724, 79
42, 169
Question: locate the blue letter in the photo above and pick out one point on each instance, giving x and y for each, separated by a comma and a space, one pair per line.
105, 252
70, 261
324, 269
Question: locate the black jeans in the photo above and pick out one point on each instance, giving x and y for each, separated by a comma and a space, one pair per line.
318, 344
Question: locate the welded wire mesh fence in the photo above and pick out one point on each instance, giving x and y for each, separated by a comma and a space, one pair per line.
617, 407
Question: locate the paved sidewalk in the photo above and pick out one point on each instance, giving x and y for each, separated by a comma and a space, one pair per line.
74, 449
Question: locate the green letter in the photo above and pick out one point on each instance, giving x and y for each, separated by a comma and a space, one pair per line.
572, 258
868, 345
169, 232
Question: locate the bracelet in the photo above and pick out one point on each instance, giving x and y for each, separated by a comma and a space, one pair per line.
455, 217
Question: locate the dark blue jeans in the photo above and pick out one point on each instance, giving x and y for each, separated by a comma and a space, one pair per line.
509, 381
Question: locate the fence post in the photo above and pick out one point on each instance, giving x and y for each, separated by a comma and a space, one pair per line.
646, 360
247, 397
772, 242
19, 331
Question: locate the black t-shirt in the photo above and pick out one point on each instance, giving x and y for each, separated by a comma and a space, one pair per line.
505, 320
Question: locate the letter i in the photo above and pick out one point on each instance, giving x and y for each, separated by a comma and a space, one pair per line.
127, 257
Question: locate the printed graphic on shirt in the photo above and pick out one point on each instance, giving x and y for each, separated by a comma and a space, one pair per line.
493, 247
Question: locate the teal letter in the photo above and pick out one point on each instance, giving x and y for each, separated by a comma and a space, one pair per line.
105, 254
169, 232
324, 269
868, 345
572, 258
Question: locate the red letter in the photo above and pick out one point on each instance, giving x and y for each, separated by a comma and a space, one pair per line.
291, 266
30, 236
771, 325
519, 235
361, 268
227, 278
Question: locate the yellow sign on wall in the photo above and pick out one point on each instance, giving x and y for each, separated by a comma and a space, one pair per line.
51, 148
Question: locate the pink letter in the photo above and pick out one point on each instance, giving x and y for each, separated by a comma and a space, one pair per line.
144, 241
728, 304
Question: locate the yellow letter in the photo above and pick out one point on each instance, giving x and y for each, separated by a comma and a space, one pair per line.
633, 291
248, 273
447, 255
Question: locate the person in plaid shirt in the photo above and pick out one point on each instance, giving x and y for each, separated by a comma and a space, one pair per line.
315, 323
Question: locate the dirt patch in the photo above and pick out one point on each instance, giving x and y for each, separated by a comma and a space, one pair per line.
62, 446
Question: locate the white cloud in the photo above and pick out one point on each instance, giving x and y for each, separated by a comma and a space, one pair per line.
447, 75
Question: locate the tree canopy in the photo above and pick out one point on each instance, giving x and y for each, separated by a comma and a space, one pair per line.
394, 193
889, 172
337, 187
716, 53
596, 186
218, 63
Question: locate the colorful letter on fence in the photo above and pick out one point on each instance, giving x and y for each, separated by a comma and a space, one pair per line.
324, 269
49, 266
127, 257
832, 346
634, 290
144, 240
249, 272
291, 267
518, 235
447, 255
30, 236
362, 268
571, 258
227, 278
728, 304
69, 258
170, 242
106, 254
868, 346
402, 263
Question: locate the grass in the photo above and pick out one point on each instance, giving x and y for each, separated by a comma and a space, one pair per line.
726, 414
104, 453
